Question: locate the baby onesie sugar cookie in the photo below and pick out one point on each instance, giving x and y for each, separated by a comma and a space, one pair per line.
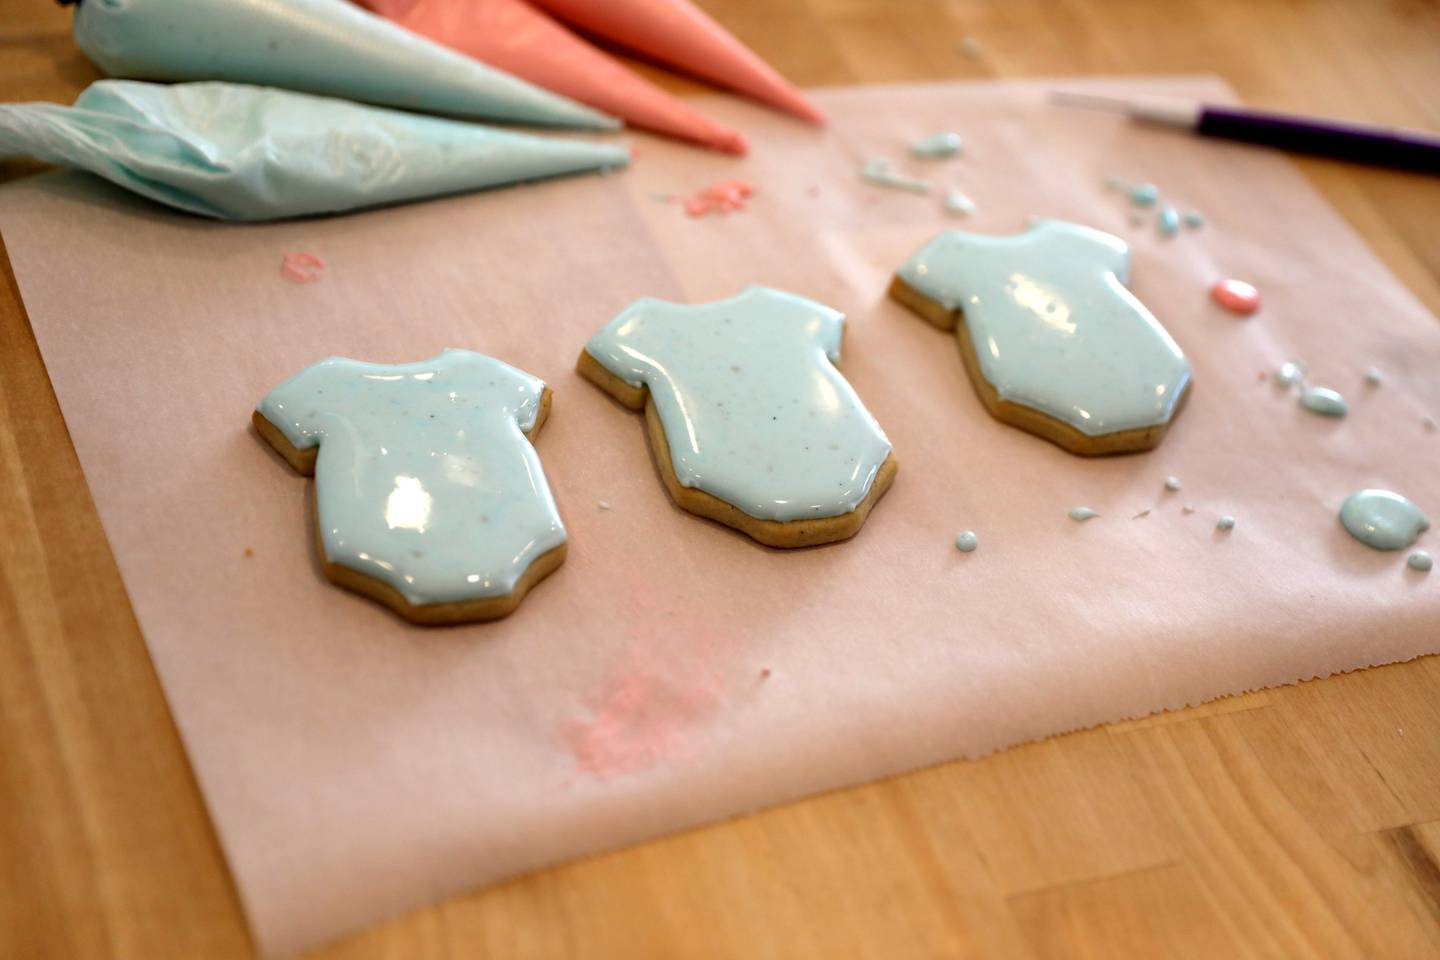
749, 421
429, 495
1053, 341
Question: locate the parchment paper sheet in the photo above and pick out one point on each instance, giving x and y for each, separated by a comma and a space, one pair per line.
356, 766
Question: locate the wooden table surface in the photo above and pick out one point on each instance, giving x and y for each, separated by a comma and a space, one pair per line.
1299, 822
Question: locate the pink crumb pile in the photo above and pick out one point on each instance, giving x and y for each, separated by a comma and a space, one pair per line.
723, 197
301, 267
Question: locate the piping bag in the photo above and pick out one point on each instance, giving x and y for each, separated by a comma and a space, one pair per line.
514, 36
682, 35
328, 47
236, 152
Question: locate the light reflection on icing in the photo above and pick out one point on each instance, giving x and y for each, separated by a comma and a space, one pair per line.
425, 479
408, 506
1382, 519
1053, 326
753, 409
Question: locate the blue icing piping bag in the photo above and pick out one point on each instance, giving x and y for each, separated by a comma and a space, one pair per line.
237, 152
329, 47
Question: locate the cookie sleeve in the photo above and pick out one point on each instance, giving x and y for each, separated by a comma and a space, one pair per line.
296, 407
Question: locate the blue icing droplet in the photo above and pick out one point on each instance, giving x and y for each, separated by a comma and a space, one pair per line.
1145, 195
1382, 519
1419, 560
937, 145
1081, 514
1373, 377
1324, 401
958, 203
966, 541
1289, 374
879, 172
1225, 523
1168, 223
1193, 220
1172, 483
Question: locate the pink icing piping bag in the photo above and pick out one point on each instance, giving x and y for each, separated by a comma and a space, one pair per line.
513, 36
678, 33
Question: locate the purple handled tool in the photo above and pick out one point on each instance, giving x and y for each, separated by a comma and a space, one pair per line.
1363, 143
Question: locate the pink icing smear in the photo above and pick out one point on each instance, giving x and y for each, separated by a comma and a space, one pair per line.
302, 267
642, 716
655, 700
722, 197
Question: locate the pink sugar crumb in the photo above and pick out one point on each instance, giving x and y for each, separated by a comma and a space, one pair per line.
640, 719
722, 197
765, 673
301, 267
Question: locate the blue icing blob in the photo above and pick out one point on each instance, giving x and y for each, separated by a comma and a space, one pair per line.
1324, 401
237, 152
958, 203
1053, 326
966, 541
425, 479
1144, 195
753, 409
937, 145
1168, 222
1081, 514
1193, 220
1382, 519
879, 172
1225, 523
1419, 560
1289, 374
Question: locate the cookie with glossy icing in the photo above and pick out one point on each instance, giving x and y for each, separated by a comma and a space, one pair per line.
750, 423
1052, 339
429, 495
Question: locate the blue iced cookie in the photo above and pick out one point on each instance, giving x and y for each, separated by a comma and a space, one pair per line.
1054, 342
430, 497
749, 420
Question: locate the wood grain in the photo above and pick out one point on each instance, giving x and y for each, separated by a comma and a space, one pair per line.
1299, 822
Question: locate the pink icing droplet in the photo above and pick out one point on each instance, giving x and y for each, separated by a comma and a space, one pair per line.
1237, 296
301, 267
723, 197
